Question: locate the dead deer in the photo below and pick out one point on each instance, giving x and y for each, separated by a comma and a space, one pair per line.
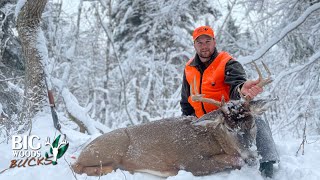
217, 141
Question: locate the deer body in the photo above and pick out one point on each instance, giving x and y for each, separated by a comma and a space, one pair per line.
164, 147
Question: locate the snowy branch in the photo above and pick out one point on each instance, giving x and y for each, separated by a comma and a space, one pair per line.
80, 114
9, 79
312, 60
290, 27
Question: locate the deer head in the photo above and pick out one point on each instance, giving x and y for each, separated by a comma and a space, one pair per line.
236, 112
237, 116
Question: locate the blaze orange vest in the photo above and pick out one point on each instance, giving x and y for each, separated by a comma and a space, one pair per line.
211, 84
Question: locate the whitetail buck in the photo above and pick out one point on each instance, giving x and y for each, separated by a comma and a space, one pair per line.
217, 141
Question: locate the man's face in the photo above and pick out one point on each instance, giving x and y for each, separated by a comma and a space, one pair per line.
204, 46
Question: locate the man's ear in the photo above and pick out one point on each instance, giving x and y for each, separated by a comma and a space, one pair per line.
214, 41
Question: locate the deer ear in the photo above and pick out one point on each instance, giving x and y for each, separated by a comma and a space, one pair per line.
258, 107
203, 123
210, 118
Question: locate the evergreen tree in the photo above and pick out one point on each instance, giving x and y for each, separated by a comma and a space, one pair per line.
229, 38
11, 65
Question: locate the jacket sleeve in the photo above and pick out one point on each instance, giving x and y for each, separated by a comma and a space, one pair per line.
235, 76
186, 107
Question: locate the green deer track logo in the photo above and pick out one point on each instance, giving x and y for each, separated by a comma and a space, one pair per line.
57, 149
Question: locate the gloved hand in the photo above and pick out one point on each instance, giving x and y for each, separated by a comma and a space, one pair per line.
250, 88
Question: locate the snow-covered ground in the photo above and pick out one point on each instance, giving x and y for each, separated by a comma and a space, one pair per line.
292, 167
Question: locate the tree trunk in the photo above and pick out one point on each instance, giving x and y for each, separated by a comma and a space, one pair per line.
28, 25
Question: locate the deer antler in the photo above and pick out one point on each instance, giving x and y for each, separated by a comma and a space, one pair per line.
265, 81
48, 142
195, 96
262, 82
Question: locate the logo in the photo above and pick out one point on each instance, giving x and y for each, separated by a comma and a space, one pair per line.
57, 149
23, 146
26, 150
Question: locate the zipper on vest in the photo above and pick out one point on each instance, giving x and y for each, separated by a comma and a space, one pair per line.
202, 105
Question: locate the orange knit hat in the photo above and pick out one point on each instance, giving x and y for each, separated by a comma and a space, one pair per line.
202, 30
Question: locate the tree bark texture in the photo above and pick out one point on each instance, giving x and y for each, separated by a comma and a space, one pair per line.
28, 25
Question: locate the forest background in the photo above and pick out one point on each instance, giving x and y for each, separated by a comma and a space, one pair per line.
115, 63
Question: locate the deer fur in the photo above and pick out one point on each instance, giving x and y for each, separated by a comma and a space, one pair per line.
219, 140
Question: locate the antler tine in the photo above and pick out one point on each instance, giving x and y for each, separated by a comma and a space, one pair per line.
258, 70
195, 96
268, 79
62, 143
48, 142
265, 81
266, 68
195, 86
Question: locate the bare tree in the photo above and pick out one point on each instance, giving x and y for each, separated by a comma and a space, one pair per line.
28, 25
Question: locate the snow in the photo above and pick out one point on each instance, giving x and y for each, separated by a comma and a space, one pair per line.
291, 166
43, 51
19, 6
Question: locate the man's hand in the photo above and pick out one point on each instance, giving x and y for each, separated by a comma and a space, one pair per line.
250, 88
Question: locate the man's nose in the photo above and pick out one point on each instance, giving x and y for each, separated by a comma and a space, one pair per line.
204, 47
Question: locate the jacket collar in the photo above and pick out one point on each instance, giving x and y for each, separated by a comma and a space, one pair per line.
197, 62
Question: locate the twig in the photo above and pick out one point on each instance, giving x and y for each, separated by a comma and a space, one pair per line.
125, 177
3, 80
82, 145
120, 69
313, 141
3, 170
227, 17
73, 173
304, 140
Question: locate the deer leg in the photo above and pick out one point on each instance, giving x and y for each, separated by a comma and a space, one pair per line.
97, 171
226, 140
92, 170
214, 164
229, 160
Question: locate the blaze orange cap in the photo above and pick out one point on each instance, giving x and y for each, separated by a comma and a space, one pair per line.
202, 30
